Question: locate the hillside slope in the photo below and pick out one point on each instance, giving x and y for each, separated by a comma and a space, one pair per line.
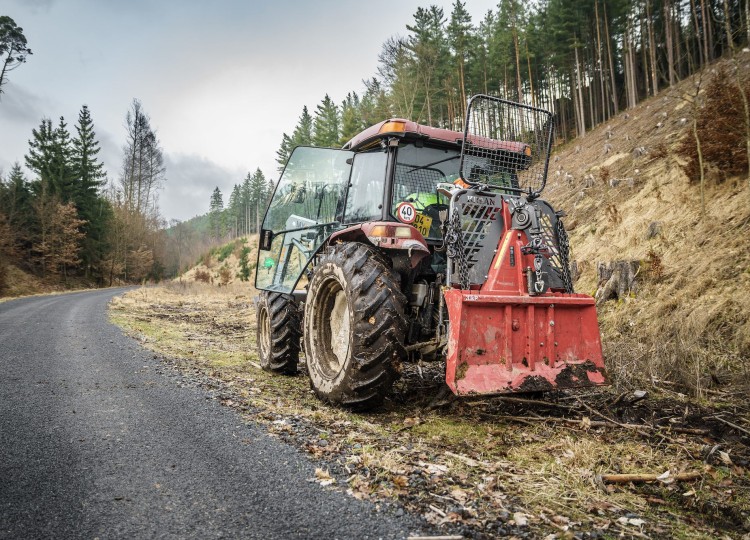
688, 319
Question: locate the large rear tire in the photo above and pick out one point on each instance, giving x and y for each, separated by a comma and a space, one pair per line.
279, 333
354, 327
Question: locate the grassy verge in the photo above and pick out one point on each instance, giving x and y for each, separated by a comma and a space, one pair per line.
480, 468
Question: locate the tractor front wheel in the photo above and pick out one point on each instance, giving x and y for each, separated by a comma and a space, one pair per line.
279, 329
354, 327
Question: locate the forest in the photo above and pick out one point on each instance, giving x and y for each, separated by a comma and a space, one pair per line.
586, 61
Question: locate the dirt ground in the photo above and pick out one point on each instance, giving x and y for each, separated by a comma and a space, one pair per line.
522, 466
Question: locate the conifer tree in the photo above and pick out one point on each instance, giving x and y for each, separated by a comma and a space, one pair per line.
89, 180
303, 132
63, 175
15, 203
351, 119
258, 197
40, 157
234, 210
326, 123
216, 222
284, 151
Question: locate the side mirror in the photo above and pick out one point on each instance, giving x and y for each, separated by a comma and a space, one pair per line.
266, 238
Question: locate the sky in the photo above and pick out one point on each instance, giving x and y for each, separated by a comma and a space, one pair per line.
220, 80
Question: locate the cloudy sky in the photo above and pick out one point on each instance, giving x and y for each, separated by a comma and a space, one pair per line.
221, 80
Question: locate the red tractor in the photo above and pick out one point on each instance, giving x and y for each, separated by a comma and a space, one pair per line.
418, 243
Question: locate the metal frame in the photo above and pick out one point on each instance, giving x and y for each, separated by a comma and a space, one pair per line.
503, 129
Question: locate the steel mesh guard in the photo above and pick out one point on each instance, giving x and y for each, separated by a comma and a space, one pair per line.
411, 179
506, 144
477, 224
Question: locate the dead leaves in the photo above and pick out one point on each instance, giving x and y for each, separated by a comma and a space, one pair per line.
323, 478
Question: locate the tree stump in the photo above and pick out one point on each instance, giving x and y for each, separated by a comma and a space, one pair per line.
617, 279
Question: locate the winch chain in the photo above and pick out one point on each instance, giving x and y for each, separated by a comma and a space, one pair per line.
454, 242
564, 247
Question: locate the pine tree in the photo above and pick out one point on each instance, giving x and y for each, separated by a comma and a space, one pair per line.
374, 106
284, 151
301, 136
13, 48
303, 132
460, 33
234, 210
351, 119
40, 157
89, 179
63, 175
258, 197
326, 123
216, 214
15, 203
246, 202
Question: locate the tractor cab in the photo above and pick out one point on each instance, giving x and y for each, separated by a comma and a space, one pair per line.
396, 171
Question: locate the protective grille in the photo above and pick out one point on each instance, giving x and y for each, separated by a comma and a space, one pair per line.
506, 144
480, 229
411, 179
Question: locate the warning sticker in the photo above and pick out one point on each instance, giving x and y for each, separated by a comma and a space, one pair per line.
406, 212
422, 223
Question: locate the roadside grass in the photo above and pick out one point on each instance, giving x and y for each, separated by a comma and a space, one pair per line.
480, 468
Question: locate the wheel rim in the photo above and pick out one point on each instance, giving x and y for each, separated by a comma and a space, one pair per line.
339, 322
264, 333
333, 327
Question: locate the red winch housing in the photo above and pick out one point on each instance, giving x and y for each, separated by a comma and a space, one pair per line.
503, 339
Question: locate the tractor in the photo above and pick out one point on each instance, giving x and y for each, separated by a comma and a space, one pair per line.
414, 243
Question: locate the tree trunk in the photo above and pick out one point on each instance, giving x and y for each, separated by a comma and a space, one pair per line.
531, 78
602, 78
518, 65
615, 100
697, 30
581, 107
704, 16
652, 50
617, 279
668, 29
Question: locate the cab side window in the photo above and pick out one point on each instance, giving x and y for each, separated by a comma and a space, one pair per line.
365, 196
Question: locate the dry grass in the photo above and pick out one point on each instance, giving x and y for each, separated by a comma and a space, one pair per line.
465, 467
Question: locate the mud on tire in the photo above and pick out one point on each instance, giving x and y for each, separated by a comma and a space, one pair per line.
279, 332
354, 327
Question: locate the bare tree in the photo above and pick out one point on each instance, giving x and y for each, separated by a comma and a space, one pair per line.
13, 48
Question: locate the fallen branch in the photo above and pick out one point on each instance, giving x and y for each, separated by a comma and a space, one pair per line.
640, 478
600, 423
435, 537
537, 402
727, 422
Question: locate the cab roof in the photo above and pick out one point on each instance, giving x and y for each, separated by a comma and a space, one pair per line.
407, 129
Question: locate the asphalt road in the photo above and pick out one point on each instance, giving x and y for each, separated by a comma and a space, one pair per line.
95, 442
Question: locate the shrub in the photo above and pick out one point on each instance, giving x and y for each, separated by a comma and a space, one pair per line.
244, 273
225, 275
202, 275
721, 130
225, 251
604, 174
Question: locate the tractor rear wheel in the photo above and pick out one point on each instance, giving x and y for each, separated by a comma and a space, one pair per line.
279, 329
354, 327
